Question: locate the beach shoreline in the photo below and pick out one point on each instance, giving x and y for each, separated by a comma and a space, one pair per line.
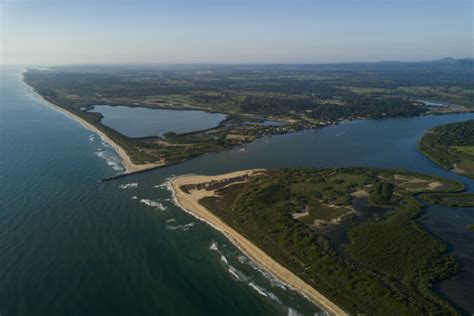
126, 162
189, 203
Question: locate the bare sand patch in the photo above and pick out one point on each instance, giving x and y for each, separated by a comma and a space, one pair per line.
457, 169
360, 194
435, 185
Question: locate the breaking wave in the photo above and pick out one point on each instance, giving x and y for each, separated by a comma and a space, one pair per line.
240, 276
129, 186
292, 312
154, 204
234, 273
180, 227
242, 259
260, 290
166, 185
110, 159
213, 246
274, 281
224, 259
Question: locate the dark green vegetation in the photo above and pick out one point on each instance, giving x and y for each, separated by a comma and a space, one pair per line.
449, 199
382, 193
301, 96
451, 146
471, 227
386, 266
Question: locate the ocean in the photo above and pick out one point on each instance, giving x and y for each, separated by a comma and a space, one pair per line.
72, 245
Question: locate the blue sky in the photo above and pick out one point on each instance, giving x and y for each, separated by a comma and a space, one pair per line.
233, 31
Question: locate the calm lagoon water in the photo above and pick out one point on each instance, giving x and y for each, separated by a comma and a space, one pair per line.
143, 122
70, 245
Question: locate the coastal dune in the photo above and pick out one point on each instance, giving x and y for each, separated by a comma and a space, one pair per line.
189, 202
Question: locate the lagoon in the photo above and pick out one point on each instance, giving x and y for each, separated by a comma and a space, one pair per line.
138, 122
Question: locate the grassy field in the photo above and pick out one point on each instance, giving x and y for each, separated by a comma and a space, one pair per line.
386, 266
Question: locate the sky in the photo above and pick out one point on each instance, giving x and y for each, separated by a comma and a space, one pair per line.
49, 32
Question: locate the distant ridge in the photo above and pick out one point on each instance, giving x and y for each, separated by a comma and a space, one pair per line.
442, 65
444, 60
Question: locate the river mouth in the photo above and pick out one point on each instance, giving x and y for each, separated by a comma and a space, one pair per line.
389, 143
137, 122
59, 223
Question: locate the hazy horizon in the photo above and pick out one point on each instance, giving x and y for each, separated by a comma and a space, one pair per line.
55, 32
39, 65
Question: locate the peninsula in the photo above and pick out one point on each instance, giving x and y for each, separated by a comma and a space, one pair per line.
346, 238
189, 201
451, 146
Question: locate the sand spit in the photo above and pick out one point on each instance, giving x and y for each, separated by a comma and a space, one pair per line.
189, 203
126, 161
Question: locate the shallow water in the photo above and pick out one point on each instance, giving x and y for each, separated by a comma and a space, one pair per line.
144, 122
70, 245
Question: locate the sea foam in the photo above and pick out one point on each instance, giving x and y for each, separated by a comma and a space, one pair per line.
260, 290
240, 276
129, 186
234, 273
274, 281
213, 246
184, 227
111, 160
154, 204
166, 184
224, 259
292, 312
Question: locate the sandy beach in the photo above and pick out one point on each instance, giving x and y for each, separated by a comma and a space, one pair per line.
189, 203
125, 159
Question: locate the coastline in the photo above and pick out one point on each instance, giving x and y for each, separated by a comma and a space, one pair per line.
131, 168
127, 163
189, 203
